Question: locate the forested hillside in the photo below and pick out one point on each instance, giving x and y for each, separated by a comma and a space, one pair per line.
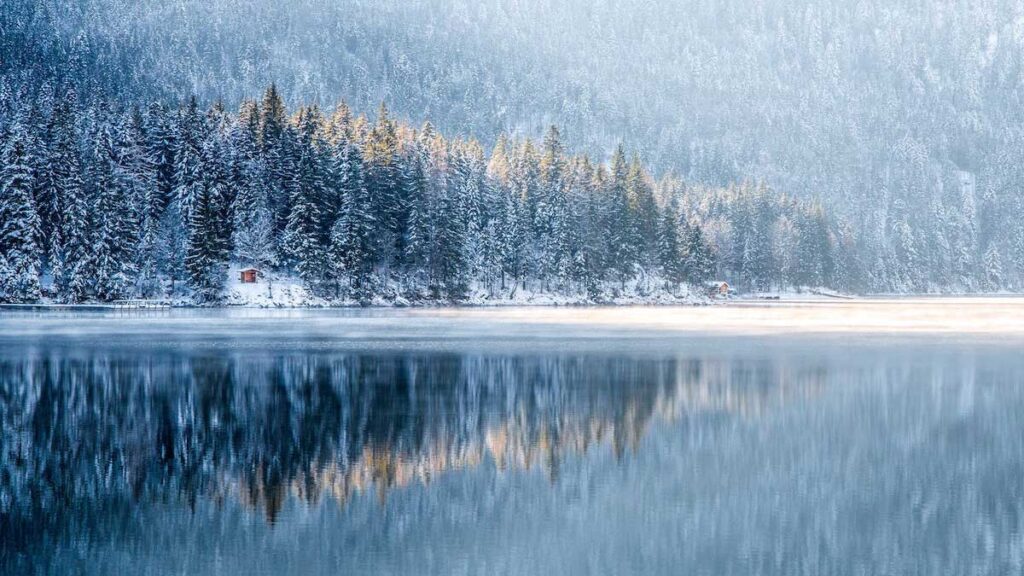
102, 203
902, 119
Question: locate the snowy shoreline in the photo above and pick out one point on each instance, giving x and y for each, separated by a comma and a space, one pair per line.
294, 297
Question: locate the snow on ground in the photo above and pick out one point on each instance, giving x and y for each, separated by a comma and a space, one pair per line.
801, 294
271, 291
276, 290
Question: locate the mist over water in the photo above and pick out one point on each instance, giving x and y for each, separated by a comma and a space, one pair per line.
638, 450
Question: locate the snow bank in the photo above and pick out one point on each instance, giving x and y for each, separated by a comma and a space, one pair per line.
274, 290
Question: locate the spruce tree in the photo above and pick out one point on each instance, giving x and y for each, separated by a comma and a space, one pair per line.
643, 213
272, 119
188, 177
351, 253
670, 252
172, 246
114, 248
622, 234
417, 230
70, 240
19, 221
206, 251
302, 236
203, 260
383, 181
141, 171
700, 261
161, 144
449, 263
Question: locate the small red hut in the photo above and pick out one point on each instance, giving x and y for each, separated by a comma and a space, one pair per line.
248, 275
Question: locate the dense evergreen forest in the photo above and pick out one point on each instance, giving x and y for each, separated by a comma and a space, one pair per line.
104, 203
899, 118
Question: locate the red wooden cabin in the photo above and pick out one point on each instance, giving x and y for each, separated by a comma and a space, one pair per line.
248, 275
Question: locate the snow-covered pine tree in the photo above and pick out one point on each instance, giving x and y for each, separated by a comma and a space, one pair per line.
526, 188
670, 249
468, 172
206, 251
549, 217
416, 222
42, 118
569, 227
784, 243
116, 237
448, 260
161, 143
351, 254
302, 235
383, 181
19, 220
172, 246
993, 263
70, 239
253, 240
643, 211
141, 171
758, 251
623, 236
597, 235
188, 177
700, 261
511, 240
277, 147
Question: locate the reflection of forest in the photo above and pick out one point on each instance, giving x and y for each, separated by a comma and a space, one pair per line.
84, 431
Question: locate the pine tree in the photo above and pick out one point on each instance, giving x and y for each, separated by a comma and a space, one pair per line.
449, 263
622, 233
467, 185
19, 221
993, 269
670, 253
383, 180
188, 177
161, 144
114, 257
250, 201
140, 170
272, 119
43, 126
302, 237
172, 246
417, 231
207, 250
351, 253
69, 242
549, 215
643, 212
700, 261
203, 260
278, 149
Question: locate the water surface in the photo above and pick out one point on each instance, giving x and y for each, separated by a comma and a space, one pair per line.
621, 441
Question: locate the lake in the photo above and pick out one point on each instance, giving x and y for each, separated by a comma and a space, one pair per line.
862, 437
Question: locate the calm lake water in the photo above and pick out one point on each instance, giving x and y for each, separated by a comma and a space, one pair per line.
855, 438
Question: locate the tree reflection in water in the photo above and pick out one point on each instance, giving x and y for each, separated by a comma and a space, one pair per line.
87, 437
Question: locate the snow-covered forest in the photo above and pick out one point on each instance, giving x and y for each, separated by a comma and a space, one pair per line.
887, 134
102, 203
